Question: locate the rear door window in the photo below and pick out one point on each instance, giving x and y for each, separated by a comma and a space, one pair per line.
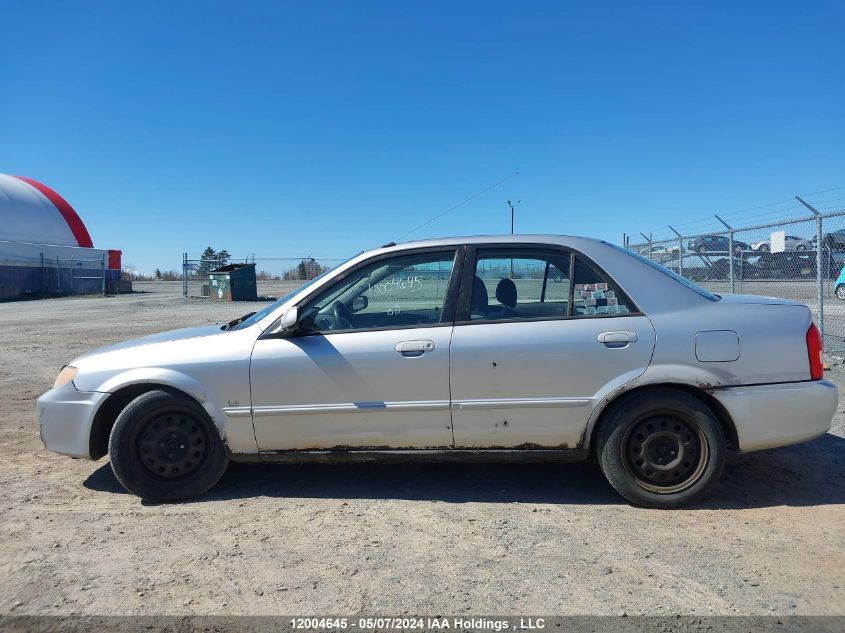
595, 294
520, 284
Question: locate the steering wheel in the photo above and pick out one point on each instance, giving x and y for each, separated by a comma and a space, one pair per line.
342, 315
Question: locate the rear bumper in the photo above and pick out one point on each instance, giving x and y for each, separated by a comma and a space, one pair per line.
767, 416
65, 416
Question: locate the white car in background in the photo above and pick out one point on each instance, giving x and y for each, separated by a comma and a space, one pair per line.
792, 243
532, 348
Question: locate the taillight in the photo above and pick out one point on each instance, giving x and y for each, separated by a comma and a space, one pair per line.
814, 352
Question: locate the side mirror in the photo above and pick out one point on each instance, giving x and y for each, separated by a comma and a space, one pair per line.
360, 303
289, 319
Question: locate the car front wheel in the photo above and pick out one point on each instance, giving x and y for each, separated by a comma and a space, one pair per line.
662, 448
164, 447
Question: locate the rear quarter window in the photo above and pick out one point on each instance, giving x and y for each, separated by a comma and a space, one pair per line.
594, 294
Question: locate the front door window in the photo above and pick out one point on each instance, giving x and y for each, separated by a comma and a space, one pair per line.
399, 292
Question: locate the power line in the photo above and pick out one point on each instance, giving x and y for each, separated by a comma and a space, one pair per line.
828, 200
460, 204
812, 193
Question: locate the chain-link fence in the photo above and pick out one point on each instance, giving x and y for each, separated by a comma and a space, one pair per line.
798, 257
275, 276
39, 274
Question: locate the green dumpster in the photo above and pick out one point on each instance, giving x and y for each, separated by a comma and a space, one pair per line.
233, 282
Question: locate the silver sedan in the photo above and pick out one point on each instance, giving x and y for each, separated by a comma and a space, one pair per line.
487, 348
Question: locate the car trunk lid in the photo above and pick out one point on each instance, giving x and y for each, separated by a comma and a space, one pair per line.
757, 300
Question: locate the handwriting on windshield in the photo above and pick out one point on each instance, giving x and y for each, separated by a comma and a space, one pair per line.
409, 283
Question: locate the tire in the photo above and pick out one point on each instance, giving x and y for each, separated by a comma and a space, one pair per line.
801, 247
682, 423
702, 249
763, 248
840, 292
164, 447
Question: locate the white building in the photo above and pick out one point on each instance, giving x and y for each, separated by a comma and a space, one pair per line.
45, 247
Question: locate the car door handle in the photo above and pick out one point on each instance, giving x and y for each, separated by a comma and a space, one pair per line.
617, 339
412, 349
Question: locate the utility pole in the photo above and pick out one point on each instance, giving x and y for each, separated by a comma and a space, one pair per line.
513, 206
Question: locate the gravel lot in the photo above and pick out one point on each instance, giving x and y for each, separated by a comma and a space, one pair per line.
385, 540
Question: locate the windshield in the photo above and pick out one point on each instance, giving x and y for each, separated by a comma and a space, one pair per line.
255, 318
681, 280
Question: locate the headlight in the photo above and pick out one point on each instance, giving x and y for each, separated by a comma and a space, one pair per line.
65, 376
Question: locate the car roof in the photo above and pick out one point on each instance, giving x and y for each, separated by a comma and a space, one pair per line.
518, 238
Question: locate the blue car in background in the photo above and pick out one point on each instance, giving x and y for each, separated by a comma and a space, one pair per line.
839, 285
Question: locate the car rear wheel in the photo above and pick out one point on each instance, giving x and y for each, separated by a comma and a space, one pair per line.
840, 292
801, 247
702, 248
164, 447
661, 448
763, 247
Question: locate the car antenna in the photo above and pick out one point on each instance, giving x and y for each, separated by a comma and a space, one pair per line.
472, 197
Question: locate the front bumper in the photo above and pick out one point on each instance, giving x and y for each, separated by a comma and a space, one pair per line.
766, 416
65, 416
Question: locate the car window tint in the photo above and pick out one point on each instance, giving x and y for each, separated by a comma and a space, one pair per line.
513, 284
397, 292
594, 294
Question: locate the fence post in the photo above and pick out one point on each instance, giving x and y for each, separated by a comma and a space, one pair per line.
103, 270
680, 251
648, 241
184, 274
730, 251
820, 272
819, 266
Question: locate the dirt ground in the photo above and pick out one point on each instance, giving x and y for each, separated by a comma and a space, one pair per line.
388, 540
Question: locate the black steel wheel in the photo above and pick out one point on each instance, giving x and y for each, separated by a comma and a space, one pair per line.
164, 447
661, 447
173, 444
664, 453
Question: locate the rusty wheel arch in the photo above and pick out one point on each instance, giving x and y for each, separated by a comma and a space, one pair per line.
725, 421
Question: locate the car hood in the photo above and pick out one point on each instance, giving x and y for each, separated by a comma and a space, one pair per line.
162, 337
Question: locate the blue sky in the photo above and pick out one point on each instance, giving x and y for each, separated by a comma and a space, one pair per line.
322, 128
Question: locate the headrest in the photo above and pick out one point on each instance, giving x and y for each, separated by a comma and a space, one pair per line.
478, 300
506, 292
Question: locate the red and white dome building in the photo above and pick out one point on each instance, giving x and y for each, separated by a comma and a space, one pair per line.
44, 244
